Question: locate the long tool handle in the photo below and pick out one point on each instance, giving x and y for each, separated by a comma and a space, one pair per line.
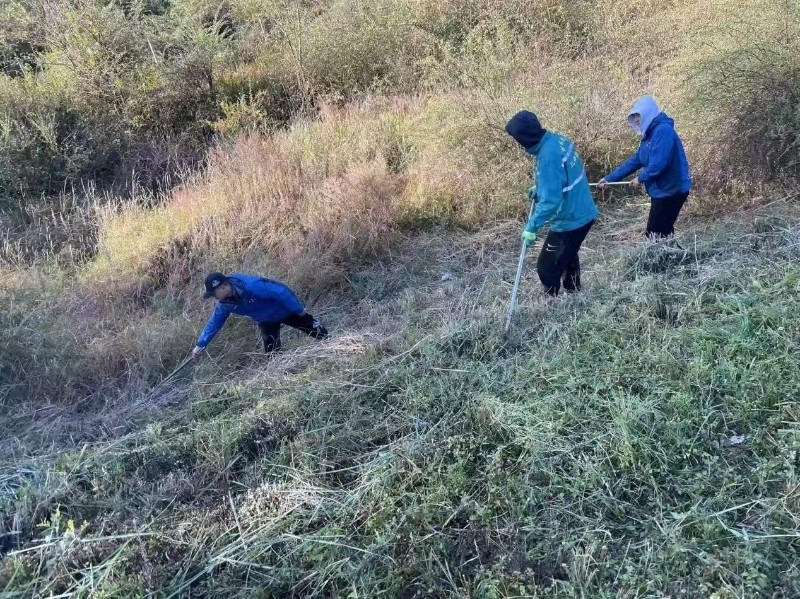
516, 286
172, 375
146, 398
610, 183
519, 276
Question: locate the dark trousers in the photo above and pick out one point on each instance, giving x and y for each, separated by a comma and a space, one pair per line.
559, 259
271, 331
663, 214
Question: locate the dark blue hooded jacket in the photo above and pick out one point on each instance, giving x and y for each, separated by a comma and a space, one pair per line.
263, 300
663, 164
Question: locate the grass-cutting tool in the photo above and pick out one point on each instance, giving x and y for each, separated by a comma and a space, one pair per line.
517, 279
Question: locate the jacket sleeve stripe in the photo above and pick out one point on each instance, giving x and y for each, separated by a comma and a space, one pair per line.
574, 183
568, 153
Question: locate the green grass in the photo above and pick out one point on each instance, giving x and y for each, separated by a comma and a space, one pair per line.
639, 440
594, 451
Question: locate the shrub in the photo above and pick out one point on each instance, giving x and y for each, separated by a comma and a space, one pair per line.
353, 47
557, 29
301, 204
748, 93
21, 38
132, 94
111, 100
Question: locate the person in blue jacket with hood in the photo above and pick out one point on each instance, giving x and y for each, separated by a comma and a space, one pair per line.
562, 198
662, 165
268, 302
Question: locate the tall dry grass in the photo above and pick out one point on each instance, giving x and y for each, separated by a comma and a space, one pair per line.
143, 101
589, 452
372, 154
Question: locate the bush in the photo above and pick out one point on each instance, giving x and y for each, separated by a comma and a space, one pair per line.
748, 93
131, 94
557, 29
20, 38
301, 205
352, 47
112, 100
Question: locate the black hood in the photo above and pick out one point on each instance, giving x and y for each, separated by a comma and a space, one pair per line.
526, 129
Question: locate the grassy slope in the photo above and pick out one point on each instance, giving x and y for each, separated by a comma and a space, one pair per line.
420, 452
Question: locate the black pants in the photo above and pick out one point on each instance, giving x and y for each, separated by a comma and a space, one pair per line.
271, 331
559, 258
663, 214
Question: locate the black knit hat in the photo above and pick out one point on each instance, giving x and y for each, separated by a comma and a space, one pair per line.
526, 129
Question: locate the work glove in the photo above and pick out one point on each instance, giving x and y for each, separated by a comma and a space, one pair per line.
196, 352
528, 238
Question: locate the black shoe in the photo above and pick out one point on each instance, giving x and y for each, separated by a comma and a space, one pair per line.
317, 330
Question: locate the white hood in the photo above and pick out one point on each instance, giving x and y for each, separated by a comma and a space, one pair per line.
648, 109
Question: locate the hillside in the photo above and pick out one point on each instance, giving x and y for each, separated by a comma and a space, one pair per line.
639, 439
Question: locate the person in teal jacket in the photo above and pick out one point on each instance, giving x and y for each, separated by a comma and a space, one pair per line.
562, 198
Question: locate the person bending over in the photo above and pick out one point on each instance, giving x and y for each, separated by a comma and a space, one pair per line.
269, 303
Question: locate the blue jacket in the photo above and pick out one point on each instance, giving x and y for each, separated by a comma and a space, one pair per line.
261, 299
562, 191
665, 170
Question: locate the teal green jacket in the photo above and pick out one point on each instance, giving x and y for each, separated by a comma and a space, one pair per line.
564, 198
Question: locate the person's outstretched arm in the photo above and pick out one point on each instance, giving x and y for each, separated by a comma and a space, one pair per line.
214, 324
627, 168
